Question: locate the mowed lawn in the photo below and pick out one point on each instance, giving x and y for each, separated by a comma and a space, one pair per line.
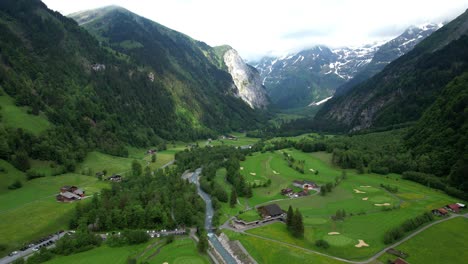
17, 117
359, 195
181, 251
102, 254
32, 211
96, 161
446, 242
271, 252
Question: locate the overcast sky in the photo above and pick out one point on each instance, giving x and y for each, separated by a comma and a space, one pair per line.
269, 27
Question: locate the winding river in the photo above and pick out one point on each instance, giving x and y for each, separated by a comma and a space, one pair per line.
208, 220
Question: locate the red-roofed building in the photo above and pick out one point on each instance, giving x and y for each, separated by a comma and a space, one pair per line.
399, 261
440, 212
454, 208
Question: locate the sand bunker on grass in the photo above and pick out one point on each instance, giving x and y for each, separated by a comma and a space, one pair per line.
312, 170
365, 198
358, 191
275, 172
384, 204
253, 173
333, 233
365, 186
165, 263
241, 168
361, 244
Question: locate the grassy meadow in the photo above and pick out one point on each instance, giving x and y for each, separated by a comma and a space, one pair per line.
451, 236
182, 251
273, 252
18, 117
32, 211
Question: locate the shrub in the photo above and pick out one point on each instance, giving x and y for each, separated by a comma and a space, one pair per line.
322, 244
30, 175
16, 185
135, 236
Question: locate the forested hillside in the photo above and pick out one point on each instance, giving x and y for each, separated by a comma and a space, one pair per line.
98, 97
188, 68
440, 138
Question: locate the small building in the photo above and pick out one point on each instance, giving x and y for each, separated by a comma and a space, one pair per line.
100, 174
151, 151
70, 194
399, 261
439, 212
453, 207
298, 183
308, 185
231, 137
461, 205
271, 210
115, 178
303, 193
286, 191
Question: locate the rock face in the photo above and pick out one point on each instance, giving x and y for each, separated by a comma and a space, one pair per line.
247, 80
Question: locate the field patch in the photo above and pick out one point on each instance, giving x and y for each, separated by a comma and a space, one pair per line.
32, 211
338, 240
18, 117
442, 243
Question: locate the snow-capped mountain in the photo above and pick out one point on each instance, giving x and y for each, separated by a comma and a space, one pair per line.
314, 74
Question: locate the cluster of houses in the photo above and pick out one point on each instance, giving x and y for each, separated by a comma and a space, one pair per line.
70, 194
306, 186
454, 208
230, 137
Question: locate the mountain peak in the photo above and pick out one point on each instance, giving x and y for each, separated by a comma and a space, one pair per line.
86, 16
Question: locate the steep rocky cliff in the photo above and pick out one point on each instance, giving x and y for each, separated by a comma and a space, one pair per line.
247, 80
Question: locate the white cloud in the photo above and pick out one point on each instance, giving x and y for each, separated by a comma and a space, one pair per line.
259, 27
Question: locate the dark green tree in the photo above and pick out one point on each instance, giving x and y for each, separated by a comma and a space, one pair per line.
289, 217
202, 245
136, 168
233, 198
297, 226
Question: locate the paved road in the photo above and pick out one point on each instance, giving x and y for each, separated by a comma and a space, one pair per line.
373, 258
168, 164
29, 251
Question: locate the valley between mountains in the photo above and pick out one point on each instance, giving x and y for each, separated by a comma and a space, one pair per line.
125, 141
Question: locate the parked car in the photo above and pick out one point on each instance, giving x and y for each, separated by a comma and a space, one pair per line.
35, 249
13, 253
